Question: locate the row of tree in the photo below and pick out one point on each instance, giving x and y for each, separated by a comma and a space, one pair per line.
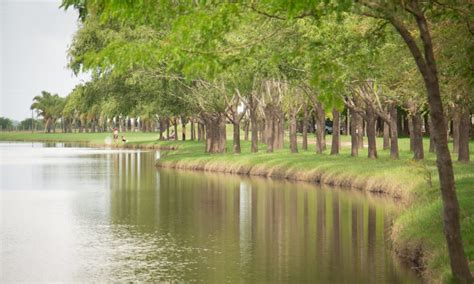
263, 65
344, 63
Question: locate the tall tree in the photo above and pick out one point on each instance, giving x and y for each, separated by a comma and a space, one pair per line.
49, 107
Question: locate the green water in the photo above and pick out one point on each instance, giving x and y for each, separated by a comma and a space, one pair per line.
80, 214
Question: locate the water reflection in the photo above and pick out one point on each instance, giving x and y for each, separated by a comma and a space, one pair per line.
254, 229
108, 215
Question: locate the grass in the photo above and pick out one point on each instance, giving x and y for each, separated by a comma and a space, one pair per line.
417, 232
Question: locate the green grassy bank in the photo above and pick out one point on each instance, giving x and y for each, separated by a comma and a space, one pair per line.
417, 232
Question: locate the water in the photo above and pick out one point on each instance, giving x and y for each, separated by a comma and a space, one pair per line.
80, 214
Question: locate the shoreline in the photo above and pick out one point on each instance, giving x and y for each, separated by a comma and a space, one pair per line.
102, 145
372, 186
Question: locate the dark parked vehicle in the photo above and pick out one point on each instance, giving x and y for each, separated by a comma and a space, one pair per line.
328, 127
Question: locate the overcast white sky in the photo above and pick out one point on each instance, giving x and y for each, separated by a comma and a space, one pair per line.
34, 37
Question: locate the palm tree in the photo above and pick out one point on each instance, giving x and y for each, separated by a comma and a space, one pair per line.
49, 107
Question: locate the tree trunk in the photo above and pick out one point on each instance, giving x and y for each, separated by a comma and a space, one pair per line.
46, 125
183, 131
175, 125
406, 126
193, 133
371, 137
417, 136
394, 133
246, 130
236, 138
335, 132
348, 122
464, 128
254, 129
200, 132
427, 66
432, 145
452, 227
426, 120
360, 132
456, 128
279, 141
261, 128
410, 130
320, 127
386, 136
293, 141
271, 137
268, 125
215, 133
305, 128
354, 133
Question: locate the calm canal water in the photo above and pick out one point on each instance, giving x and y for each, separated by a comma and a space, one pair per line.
81, 214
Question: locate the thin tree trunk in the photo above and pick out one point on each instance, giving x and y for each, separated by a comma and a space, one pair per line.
293, 141
175, 125
305, 128
335, 132
417, 136
464, 128
426, 120
394, 133
372, 149
354, 133
193, 133
254, 129
320, 127
268, 125
271, 137
236, 138
279, 141
456, 128
360, 132
183, 129
386, 136
200, 131
348, 122
406, 126
246, 130
410, 130
432, 145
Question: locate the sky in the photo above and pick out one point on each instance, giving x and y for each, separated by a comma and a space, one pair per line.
34, 38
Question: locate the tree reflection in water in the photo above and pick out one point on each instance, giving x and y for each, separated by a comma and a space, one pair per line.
217, 227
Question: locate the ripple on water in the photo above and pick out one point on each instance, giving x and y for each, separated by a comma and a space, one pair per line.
123, 253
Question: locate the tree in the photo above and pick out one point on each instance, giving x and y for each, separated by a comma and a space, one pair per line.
397, 14
5, 123
28, 123
49, 107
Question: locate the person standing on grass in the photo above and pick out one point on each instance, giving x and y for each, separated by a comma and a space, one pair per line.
115, 134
